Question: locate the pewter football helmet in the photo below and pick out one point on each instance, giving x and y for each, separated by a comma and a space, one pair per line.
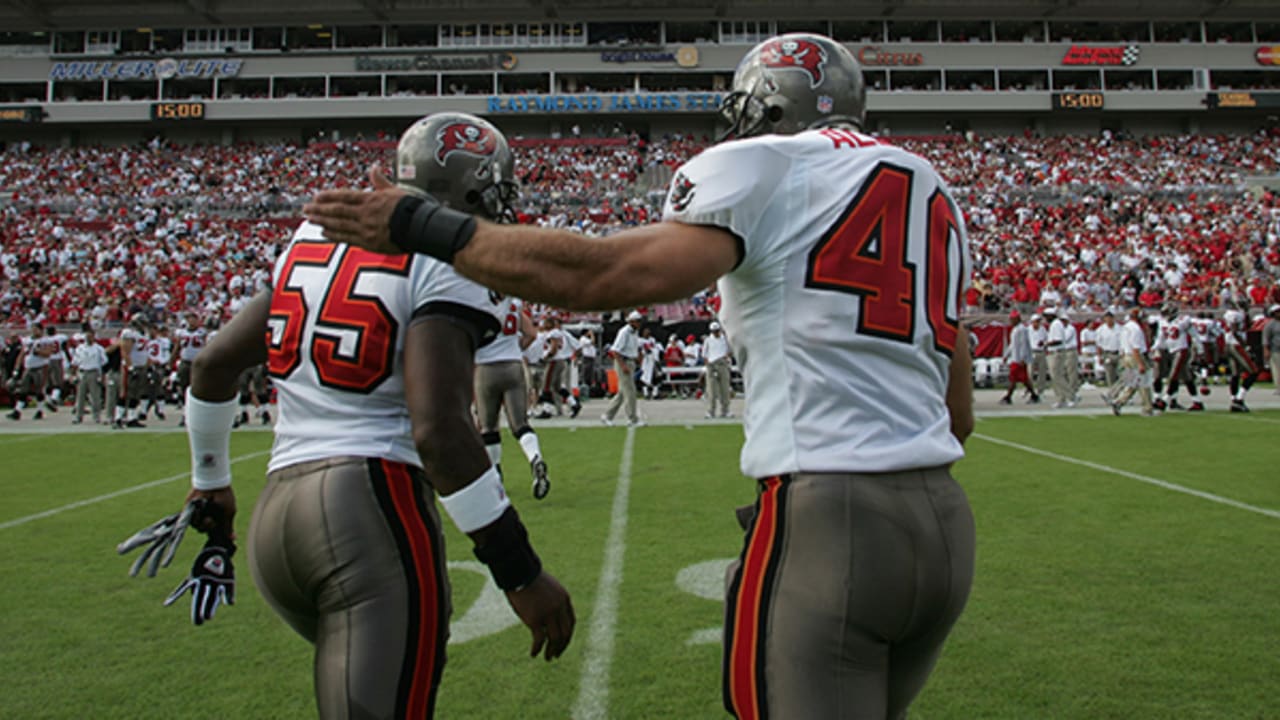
462, 160
791, 83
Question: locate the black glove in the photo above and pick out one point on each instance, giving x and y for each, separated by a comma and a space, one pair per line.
212, 581
162, 539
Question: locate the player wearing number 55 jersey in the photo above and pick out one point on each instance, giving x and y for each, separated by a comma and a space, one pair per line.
372, 357
842, 262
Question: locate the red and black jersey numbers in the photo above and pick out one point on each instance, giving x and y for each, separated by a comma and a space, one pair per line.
865, 253
344, 310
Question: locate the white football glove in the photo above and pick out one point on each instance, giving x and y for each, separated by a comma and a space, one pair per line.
161, 538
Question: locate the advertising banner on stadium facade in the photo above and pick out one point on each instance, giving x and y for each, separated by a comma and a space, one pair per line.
603, 103
1102, 55
421, 63
686, 56
21, 114
164, 69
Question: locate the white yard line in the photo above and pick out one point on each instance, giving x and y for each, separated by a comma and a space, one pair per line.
1134, 476
15, 440
593, 691
81, 503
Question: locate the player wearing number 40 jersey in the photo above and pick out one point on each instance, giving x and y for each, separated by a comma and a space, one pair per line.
842, 262
372, 357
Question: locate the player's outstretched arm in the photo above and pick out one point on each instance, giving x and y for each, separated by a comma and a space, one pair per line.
960, 389
438, 368
663, 262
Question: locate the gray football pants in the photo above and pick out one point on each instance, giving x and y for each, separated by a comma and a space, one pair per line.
846, 589
348, 551
501, 385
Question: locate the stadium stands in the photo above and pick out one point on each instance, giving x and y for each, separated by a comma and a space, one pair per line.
102, 233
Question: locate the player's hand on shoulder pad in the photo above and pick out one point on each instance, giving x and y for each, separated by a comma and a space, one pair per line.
358, 217
546, 608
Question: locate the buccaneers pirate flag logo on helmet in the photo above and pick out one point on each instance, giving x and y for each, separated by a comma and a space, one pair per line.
464, 138
795, 54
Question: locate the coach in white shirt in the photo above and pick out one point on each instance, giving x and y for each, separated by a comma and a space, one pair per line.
715, 349
1138, 373
625, 350
1108, 336
1056, 346
89, 359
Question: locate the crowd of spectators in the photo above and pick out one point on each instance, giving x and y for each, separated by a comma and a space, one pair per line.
1091, 222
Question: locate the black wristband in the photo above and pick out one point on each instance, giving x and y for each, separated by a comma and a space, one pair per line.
507, 552
424, 226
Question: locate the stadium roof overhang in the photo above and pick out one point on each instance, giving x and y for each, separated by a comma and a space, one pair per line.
20, 15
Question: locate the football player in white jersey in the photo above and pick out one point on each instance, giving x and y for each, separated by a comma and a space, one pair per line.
1243, 368
190, 341
160, 353
558, 368
842, 265
500, 385
133, 345
372, 356
30, 374
56, 373
1173, 339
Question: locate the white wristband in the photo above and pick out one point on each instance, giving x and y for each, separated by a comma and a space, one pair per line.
209, 432
479, 503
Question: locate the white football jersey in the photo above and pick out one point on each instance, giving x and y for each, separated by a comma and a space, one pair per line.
59, 348
138, 353
844, 307
1173, 334
190, 342
505, 347
336, 335
34, 349
159, 350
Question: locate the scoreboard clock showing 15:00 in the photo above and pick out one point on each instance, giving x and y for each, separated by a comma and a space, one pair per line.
182, 110
1084, 100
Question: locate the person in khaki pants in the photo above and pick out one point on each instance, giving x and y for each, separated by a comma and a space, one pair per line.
625, 350
89, 359
1138, 371
718, 354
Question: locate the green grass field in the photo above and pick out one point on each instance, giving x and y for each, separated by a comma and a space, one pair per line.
1100, 593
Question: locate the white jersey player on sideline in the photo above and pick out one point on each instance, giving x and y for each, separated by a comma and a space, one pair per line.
133, 343
159, 364
501, 386
191, 339
56, 372
1173, 340
1244, 370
